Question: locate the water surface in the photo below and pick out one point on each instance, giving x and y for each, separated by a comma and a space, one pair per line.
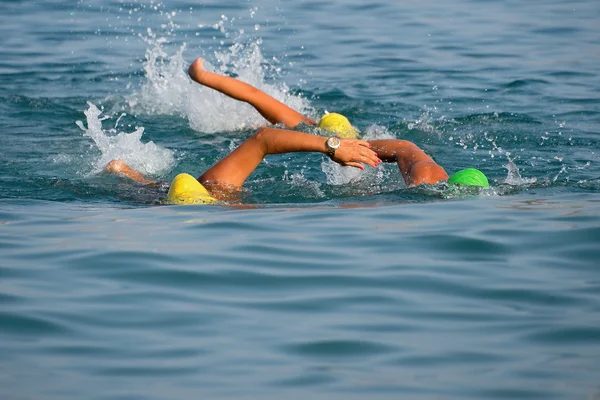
327, 282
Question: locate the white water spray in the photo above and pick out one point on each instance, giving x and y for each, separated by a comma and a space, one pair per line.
339, 175
513, 176
147, 158
167, 89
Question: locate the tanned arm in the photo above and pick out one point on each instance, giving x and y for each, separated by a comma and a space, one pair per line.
415, 166
237, 166
271, 109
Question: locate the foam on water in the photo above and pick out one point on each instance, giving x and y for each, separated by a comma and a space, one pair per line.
147, 158
305, 186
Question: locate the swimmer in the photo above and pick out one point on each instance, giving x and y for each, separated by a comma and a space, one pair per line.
278, 113
271, 109
223, 180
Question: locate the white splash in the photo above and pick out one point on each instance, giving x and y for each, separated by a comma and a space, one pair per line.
514, 178
148, 158
563, 169
423, 123
375, 132
167, 89
337, 174
305, 186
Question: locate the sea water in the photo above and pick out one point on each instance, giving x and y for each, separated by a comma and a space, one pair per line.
324, 282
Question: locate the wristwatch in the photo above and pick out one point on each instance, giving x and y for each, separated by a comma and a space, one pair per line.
332, 144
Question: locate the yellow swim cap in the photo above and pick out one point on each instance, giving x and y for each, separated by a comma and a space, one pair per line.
185, 189
339, 125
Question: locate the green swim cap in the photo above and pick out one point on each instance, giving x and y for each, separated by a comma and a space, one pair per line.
470, 177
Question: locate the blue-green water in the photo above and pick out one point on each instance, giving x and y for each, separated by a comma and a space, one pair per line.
327, 283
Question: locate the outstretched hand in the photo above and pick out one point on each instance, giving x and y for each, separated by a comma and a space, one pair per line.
355, 153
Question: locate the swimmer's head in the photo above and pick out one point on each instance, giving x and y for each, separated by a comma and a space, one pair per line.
185, 189
470, 177
339, 125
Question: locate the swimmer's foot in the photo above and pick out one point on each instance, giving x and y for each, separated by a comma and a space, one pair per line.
118, 167
196, 70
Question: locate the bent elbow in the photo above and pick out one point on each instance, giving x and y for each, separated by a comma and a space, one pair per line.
261, 138
427, 172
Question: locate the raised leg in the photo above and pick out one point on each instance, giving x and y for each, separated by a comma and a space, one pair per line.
271, 109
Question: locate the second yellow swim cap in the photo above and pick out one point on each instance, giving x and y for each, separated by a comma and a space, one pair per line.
185, 189
339, 125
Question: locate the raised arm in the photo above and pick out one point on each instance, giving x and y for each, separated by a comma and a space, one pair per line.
271, 109
237, 166
415, 166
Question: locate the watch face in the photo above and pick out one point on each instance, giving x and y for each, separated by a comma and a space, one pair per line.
333, 142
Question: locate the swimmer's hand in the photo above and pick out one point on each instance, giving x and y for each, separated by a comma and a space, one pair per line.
355, 153
196, 70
